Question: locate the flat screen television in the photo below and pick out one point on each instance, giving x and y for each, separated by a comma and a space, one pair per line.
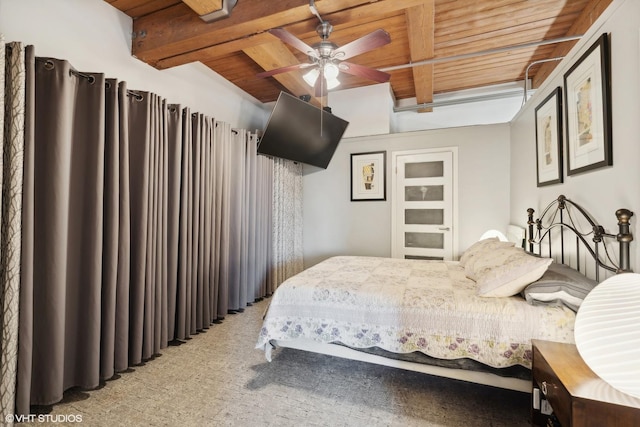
301, 132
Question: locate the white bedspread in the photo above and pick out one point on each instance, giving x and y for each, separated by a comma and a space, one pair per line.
409, 305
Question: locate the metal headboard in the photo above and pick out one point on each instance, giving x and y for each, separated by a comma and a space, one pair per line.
553, 217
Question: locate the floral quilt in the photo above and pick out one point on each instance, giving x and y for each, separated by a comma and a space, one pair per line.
404, 306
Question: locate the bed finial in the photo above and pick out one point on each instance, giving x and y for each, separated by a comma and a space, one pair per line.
561, 201
624, 216
624, 236
530, 223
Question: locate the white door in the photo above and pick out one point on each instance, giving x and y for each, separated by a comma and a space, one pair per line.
423, 205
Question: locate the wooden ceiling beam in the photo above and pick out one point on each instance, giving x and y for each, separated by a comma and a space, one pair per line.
420, 31
588, 16
175, 30
203, 7
217, 47
136, 9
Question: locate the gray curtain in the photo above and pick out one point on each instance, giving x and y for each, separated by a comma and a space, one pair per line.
62, 235
12, 100
127, 224
116, 228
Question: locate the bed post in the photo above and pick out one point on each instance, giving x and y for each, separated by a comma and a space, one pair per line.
530, 223
624, 237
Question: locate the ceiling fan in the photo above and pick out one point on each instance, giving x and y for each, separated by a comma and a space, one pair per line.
327, 60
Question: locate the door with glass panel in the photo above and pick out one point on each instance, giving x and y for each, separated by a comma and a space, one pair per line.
423, 205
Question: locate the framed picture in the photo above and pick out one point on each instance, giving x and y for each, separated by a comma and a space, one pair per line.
549, 139
368, 176
588, 110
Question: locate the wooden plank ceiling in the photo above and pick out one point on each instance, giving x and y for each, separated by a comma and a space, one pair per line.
168, 33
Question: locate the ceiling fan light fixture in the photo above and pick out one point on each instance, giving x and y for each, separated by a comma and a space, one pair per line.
332, 83
331, 71
312, 76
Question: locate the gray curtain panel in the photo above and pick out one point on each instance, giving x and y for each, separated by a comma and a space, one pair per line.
174, 175
127, 223
223, 156
147, 285
60, 320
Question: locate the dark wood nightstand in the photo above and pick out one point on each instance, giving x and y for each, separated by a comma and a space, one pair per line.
579, 397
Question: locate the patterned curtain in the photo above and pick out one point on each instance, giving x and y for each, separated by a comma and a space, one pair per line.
287, 255
12, 100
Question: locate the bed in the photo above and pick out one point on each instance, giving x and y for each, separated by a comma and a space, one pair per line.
471, 319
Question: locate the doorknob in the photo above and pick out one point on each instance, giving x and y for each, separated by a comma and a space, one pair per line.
444, 228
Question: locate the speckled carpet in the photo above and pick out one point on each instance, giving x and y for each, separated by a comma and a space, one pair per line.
219, 379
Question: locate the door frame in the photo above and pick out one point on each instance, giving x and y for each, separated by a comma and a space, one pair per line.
454, 179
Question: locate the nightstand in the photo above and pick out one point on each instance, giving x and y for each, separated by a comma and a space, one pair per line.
579, 397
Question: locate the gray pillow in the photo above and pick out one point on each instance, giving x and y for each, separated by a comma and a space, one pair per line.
559, 285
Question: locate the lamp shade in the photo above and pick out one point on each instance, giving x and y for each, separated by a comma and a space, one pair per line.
312, 76
607, 332
331, 71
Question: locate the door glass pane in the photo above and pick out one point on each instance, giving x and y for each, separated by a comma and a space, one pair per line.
424, 240
428, 193
429, 258
424, 216
424, 170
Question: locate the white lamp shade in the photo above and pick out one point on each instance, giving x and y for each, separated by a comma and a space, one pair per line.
607, 332
311, 77
332, 83
331, 79
331, 71
494, 233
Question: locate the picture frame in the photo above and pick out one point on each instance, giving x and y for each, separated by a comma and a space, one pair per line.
587, 88
548, 118
368, 176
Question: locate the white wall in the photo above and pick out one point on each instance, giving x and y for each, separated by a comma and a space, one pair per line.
96, 37
371, 112
333, 225
481, 111
601, 191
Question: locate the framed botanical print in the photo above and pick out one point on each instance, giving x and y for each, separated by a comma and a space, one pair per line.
368, 176
549, 139
587, 91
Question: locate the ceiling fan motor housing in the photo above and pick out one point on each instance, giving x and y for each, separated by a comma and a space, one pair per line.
325, 49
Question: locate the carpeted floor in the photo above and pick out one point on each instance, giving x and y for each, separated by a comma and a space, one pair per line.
219, 379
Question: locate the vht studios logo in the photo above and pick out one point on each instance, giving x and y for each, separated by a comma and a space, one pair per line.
43, 418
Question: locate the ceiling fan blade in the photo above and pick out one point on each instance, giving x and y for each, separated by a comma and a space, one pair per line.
283, 70
364, 44
321, 85
293, 41
365, 72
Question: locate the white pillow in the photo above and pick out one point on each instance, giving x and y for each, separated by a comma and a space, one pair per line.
507, 271
480, 247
